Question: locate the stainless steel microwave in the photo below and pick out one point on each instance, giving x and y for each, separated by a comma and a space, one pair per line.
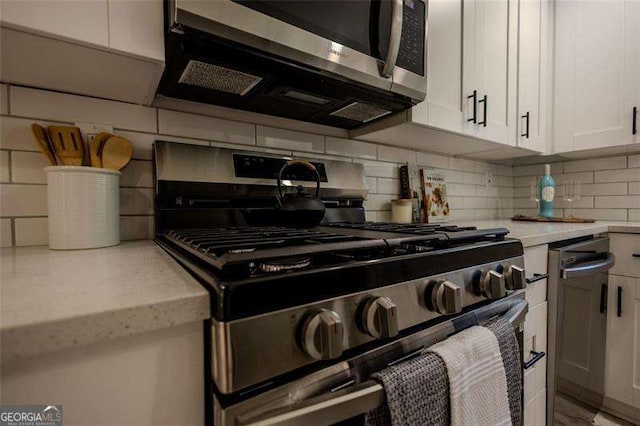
336, 62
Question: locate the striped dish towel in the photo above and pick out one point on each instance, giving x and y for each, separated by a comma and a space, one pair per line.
477, 378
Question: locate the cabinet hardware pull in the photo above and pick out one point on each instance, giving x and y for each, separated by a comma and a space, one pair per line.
636, 254
526, 132
537, 277
484, 108
603, 298
635, 121
537, 356
474, 119
619, 302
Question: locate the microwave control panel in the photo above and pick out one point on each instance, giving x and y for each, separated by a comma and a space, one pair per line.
411, 53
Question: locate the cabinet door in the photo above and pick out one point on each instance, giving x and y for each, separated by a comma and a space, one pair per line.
596, 73
531, 71
84, 21
582, 326
622, 372
443, 106
136, 27
495, 68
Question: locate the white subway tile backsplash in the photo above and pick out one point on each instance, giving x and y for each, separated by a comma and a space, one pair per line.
383, 216
136, 227
136, 201
137, 174
603, 188
4, 166
6, 238
4, 99
460, 214
461, 189
627, 175
351, 148
182, 124
487, 214
388, 186
473, 178
54, 106
15, 133
618, 201
380, 169
499, 180
432, 160
398, 155
537, 169
634, 215
378, 202
372, 183
607, 163
462, 164
475, 203
634, 188
601, 214
455, 202
583, 177
583, 202
23, 200
634, 160
272, 137
28, 167
33, 231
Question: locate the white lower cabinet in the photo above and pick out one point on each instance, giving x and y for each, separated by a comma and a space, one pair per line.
622, 372
535, 337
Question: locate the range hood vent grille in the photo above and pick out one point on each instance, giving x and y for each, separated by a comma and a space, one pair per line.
215, 77
361, 112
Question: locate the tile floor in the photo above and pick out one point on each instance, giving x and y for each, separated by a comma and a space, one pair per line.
572, 412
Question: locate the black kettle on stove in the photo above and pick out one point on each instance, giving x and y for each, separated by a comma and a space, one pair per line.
296, 209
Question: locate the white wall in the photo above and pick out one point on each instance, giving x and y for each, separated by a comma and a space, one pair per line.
23, 208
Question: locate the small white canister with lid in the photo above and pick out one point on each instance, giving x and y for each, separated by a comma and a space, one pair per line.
84, 207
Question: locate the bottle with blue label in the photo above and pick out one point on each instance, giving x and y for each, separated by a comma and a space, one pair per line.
547, 192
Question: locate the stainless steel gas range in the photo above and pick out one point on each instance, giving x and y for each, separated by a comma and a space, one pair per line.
301, 316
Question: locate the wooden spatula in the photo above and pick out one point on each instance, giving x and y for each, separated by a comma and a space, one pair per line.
67, 144
116, 153
43, 142
95, 148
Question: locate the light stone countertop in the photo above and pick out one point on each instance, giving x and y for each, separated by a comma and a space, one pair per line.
52, 300
536, 233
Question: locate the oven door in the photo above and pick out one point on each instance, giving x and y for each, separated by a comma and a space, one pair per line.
363, 40
343, 392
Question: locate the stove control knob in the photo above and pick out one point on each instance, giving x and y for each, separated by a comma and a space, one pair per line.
380, 318
322, 335
492, 285
446, 298
515, 278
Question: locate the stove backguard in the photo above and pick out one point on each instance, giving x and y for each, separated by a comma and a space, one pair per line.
199, 186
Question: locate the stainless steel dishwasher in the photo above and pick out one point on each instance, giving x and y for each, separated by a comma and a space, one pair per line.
577, 322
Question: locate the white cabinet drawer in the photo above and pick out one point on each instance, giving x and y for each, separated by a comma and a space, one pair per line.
623, 247
535, 339
536, 262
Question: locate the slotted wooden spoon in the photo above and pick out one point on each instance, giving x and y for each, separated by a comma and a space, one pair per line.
95, 148
67, 144
42, 139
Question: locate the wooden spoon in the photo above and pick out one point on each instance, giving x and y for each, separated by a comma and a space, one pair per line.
67, 144
116, 153
95, 148
44, 144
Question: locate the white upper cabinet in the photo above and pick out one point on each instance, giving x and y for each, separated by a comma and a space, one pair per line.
596, 74
490, 44
443, 106
78, 20
532, 72
111, 49
471, 70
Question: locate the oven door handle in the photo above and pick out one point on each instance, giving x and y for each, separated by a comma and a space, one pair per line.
326, 409
589, 268
395, 37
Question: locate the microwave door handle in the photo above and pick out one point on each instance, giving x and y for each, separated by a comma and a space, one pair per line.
589, 268
394, 39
